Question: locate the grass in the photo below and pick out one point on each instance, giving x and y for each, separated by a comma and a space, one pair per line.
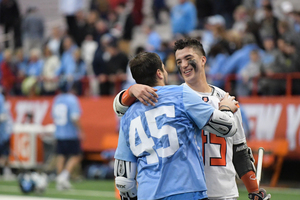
104, 190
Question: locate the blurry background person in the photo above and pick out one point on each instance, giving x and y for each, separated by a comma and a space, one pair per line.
6, 125
11, 20
51, 65
79, 72
248, 73
32, 30
66, 114
69, 9
183, 17
7, 72
31, 84
115, 70
54, 40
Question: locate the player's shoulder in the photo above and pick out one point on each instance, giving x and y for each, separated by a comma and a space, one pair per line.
169, 89
218, 92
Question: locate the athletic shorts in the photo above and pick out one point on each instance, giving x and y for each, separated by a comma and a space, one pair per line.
188, 196
68, 147
4, 148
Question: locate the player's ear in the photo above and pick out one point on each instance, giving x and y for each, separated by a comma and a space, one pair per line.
203, 60
159, 74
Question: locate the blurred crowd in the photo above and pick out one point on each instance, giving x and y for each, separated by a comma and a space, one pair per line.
251, 44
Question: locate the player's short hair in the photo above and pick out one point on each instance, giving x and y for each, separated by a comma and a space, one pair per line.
144, 67
191, 43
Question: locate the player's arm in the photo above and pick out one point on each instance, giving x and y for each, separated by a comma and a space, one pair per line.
125, 173
222, 122
243, 162
125, 169
125, 98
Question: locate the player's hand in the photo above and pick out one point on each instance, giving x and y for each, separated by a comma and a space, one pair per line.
145, 94
125, 196
261, 195
228, 103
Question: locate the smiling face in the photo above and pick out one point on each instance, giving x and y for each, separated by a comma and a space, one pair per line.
185, 59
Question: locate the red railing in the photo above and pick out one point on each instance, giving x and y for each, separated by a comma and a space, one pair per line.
289, 77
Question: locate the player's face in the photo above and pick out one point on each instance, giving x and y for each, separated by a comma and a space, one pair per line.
189, 64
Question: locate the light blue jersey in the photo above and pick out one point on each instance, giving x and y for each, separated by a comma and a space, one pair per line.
6, 124
161, 140
65, 107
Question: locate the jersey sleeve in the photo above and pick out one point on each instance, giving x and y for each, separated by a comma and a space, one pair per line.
239, 137
123, 151
199, 111
1, 104
75, 109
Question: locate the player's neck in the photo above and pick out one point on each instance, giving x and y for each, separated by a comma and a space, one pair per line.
200, 86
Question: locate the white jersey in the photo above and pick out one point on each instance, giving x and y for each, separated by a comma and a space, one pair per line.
217, 154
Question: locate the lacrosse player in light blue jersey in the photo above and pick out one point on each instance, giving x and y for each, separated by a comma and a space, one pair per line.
66, 113
158, 141
6, 126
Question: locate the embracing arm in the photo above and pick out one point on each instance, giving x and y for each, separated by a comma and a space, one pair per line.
125, 98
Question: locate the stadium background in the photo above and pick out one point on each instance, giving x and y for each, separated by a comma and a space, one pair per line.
273, 121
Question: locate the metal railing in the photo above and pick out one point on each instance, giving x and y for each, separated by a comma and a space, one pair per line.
289, 77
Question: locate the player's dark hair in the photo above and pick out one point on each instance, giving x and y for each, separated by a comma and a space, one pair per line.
144, 67
190, 43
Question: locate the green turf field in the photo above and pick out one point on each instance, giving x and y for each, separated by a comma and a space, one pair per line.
104, 190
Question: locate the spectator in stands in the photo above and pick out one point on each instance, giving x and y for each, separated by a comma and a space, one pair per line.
31, 84
100, 6
33, 30
51, 65
69, 9
91, 23
81, 27
21, 63
137, 12
88, 49
158, 6
286, 62
35, 65
99, 68
79, 72
208, 39
296, 25
114, 27
225, 9
66, 114
268, 25
8, 76
248, 73
153, 43
115, 69
182, 13
239, 59
241, 18
271, 52
67, 66
126, 22
1, 55
6, 125
215, 62
54, 41
287, 33
11, 20
101, 29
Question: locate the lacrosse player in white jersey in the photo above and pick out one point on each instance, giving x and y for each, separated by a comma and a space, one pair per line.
223, 157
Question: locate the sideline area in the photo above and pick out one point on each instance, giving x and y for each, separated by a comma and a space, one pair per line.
10, 197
